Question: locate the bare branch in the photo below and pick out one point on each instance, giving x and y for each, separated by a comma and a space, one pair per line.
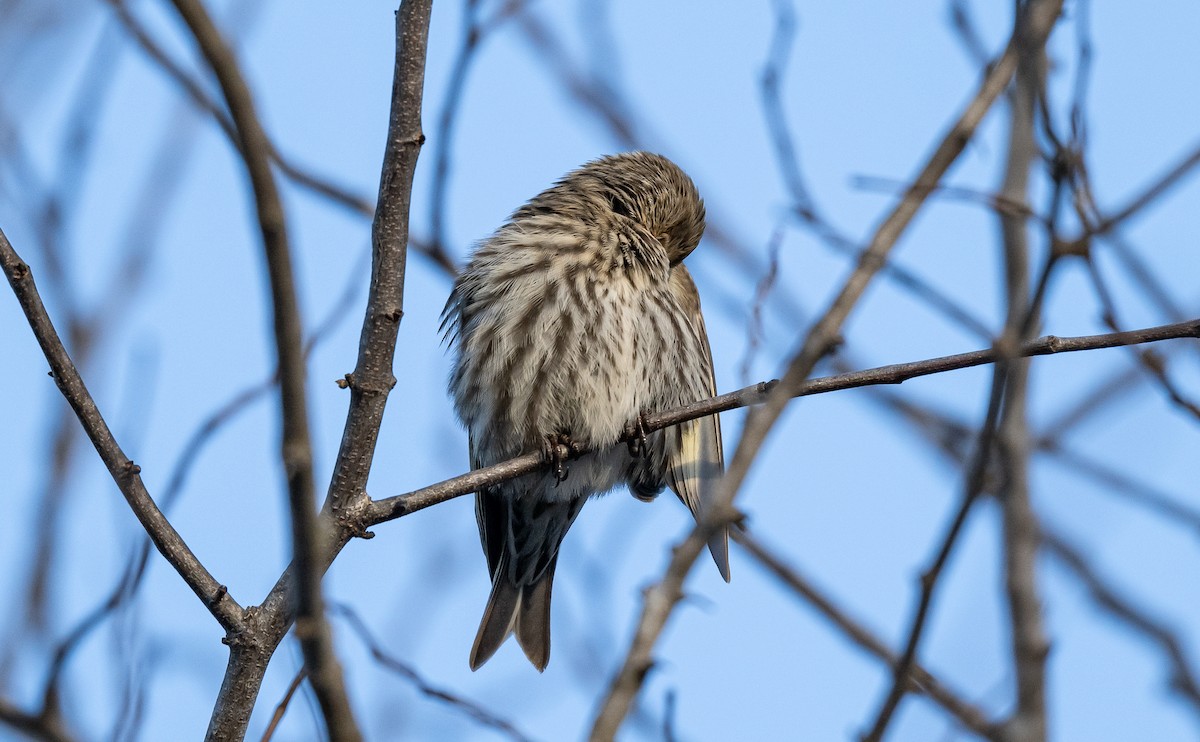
369, 384
1020, 525
380, 511
965, 713
661, 598
124, 472
39, 727
1154, 364
450, 699
1149, 194
973, 485
196, 92
804, 207
1184, 681
296, 445
317, 184
282, 707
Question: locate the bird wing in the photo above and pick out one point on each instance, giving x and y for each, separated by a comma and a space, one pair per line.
491, 515
695, 460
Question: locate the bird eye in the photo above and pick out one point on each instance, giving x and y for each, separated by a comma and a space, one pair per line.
618, 205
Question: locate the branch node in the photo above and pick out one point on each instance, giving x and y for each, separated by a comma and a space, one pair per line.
19, 272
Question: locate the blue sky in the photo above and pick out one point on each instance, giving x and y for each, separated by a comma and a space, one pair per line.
853, 498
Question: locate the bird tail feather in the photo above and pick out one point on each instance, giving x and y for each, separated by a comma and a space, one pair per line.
523, 610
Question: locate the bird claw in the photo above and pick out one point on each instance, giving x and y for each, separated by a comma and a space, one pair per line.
637, 437
552, 449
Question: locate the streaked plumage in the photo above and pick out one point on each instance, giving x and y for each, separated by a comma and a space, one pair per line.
576, 316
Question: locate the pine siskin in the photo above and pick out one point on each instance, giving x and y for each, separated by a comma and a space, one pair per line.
571, 321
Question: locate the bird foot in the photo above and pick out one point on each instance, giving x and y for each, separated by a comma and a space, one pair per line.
636, 432
556, 449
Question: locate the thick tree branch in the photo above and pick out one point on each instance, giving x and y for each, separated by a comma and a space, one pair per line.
369, 384
296, 445
41, 727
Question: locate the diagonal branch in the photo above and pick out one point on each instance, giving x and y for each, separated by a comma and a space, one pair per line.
370, 383
661, 599
123, 471
968, 715
296, 446
450, 699
1184, 681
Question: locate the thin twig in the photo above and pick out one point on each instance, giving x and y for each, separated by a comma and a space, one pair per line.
403, 669
282, 707
317, 184
973, 486
964, 712
804, 207
390, 508
1184, 681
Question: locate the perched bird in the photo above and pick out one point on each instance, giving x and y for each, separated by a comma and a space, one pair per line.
570, 323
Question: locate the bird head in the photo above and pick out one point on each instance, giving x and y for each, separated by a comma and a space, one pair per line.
653, 191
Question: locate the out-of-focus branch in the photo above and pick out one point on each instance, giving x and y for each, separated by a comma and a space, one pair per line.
132, 579
1153, 363
202, 100
1148, 195
973, 486
124, 472
804, 207
1028, 641
282, 707
370, 383
296, 445
40, 727
475, 30
297, 174
965, 713
1184, 681
949, 434
450, 699
1123, 485
662, 597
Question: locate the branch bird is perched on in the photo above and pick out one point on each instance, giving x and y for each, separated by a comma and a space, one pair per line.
571, 321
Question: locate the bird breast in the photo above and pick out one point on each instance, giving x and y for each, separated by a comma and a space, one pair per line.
558, 337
